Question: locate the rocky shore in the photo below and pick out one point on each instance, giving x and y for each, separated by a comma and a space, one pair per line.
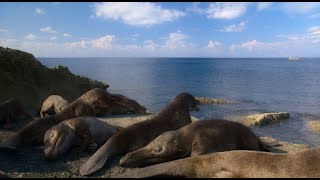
23, 77
30, 162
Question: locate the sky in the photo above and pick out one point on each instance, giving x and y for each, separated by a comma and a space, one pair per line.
162, 29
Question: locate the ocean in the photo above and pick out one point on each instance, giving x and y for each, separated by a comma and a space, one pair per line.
257, 84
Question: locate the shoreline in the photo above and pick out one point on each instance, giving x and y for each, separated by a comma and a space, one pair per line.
30, 162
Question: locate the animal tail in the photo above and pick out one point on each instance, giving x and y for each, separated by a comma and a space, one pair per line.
100, 157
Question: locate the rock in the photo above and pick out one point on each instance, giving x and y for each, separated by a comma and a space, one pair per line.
283, 146
23, 77
314, 126
265, 118
203, 100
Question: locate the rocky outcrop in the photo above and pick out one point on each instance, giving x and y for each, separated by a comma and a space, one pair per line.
314, 126
26, 79
204, 100
265, 118
283, 146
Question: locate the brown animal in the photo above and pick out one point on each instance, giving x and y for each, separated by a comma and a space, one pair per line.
81, 131
194, 139
11, 110
123, 105
94, 102
53, 105
136, 136
237, 164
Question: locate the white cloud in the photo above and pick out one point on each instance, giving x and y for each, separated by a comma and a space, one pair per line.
3, 30
176, 40
264, 5
294, 37
136, 13
30, 36
300, 7
40, 11
314, 16
66, 35
104, 42
53, 38
195, 8
7, 42
48, 29
226, 10
235, 27
250, 45
149, 44
214, 44
314, 34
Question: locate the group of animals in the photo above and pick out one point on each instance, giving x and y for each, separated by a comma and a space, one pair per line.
166, 145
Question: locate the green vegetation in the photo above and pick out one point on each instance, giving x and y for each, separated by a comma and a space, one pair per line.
25, 78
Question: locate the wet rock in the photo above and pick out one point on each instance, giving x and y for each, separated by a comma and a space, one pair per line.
314, 126
283, 146
203, 100
265, 118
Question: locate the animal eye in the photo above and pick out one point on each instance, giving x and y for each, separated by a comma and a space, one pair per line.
52, 135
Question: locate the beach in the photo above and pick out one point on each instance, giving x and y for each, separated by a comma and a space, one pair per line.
29, 162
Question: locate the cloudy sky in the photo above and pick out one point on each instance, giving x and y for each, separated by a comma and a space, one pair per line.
175, 29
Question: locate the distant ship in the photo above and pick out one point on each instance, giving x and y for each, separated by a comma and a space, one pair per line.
294, 58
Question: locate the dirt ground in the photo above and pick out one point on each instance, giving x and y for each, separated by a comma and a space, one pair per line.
30, 162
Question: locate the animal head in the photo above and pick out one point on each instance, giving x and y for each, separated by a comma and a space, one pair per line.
186, 99
57, 141
122, 105
165, 147
99, 100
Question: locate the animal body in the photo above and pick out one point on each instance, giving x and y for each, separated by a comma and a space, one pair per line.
197, 138
92, 103
53, 105
172, 117
81, 131
237, 164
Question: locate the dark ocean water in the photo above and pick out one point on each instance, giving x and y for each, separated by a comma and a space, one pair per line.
258, 84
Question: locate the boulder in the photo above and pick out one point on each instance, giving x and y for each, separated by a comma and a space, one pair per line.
314, 126
265, 118
283, 146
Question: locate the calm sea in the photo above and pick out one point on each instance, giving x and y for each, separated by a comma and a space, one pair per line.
258, 84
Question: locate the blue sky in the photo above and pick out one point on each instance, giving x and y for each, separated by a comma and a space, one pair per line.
176, 29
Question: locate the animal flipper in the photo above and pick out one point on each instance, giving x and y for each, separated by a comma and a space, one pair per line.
167, 169
100, 157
